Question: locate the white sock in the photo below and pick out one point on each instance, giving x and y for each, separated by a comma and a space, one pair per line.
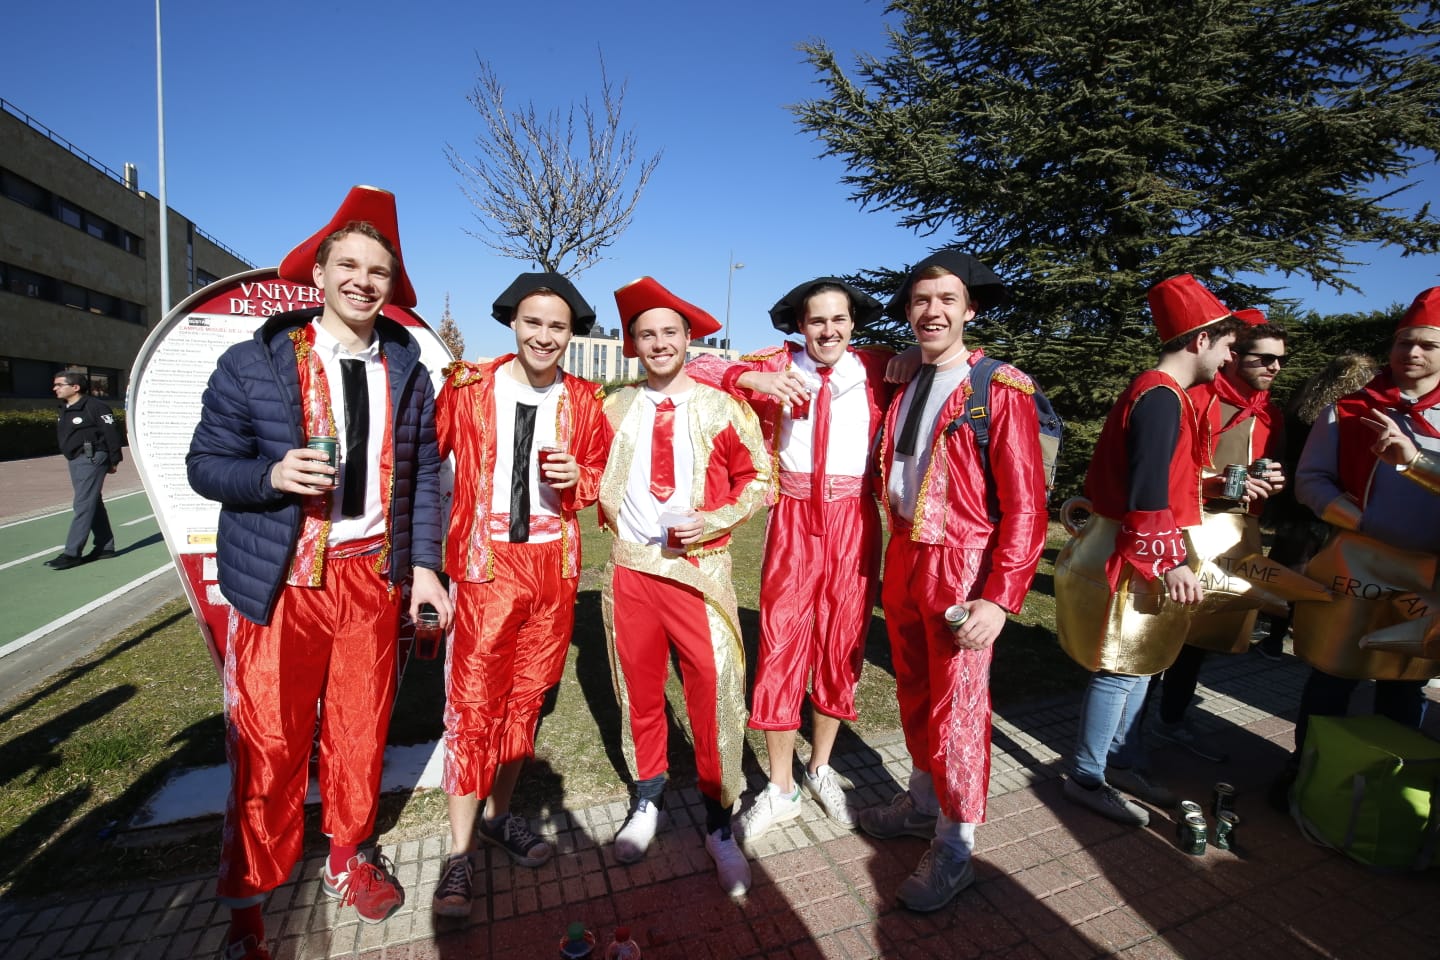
959, 837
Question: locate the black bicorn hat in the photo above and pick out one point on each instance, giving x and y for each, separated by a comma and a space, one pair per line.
582, 314
785, 315
985, 289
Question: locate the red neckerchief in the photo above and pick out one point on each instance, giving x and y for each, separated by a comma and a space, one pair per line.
1256, 405
1357, 459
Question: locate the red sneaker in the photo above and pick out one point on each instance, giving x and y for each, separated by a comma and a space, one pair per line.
374, 893
248, 949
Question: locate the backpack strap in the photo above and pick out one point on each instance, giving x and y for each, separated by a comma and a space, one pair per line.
977, 414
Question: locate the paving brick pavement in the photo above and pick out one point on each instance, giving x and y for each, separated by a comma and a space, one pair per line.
1052, 880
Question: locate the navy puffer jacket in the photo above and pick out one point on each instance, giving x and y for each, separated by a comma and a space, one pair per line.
251, 418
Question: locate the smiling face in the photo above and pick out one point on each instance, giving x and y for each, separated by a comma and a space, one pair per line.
938, 310
1415, 359
661, 336
827, 326
542, 326
356, 277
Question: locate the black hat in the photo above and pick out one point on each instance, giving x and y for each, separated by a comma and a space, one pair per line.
784, 316
582, 314
984, 288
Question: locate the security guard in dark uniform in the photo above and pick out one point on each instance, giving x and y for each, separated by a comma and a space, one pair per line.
91, 442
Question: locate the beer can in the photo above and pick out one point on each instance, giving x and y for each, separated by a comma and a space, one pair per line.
330, 446
1190, 834
1188, 807
1225, 830
1224, 799
955, 616
1261, 467
1235, 475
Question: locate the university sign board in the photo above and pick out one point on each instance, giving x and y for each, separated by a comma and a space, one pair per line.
163, 409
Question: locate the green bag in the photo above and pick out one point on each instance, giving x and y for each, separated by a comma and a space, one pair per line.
1370, 788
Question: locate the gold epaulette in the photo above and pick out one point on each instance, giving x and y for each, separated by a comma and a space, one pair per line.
1013, 378
759, 355
462, 373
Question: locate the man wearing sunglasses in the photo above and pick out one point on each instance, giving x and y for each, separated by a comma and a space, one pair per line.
1245, 425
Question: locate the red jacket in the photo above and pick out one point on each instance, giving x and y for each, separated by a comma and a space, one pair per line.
952, 508
719, 372
465, 426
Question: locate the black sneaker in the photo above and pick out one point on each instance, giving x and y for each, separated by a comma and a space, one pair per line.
513, 835
65, 562
454, 892
98, 554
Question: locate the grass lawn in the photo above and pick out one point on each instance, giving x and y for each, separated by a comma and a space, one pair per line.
80, 754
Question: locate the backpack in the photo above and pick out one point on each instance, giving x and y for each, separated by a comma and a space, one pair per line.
977, 415
1370, 788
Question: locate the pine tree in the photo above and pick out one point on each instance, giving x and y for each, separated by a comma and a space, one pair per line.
449, 332
1086, 149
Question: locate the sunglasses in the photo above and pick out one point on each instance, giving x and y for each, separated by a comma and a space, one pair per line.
1267, 359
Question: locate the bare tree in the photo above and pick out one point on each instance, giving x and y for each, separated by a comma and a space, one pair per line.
449, 332
540, 195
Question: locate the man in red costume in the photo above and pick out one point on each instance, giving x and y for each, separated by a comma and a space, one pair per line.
1386, 542
687, 465
822, 538
1144, 487
313, 558
1244, 424
513, 554
962, 536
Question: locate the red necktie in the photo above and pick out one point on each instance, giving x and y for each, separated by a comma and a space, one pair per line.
819, 444
662, 451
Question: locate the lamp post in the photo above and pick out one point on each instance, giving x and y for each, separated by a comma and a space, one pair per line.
729, 287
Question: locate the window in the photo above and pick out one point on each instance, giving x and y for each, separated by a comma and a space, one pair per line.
69, 214
24, 192
27, 283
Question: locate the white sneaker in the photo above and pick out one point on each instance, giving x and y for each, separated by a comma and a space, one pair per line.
770, 807
731, 867
827, 787
634, 838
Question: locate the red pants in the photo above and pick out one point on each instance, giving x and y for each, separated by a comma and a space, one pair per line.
944, 691
507, 649
336, 645
650, 614
815, 599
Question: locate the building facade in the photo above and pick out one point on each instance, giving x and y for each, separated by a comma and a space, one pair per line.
79, 264
598, 357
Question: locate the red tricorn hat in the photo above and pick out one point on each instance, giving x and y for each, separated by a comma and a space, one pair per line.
1424, 312
1251, 317
637, 296
1182, 304
362, 205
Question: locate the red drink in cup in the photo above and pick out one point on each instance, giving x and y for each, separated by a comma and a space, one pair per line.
428, 633
801, 409
544, 455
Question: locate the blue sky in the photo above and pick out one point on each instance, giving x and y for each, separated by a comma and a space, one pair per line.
273, 109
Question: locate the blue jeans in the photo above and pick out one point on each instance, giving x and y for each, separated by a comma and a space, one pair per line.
1109, 734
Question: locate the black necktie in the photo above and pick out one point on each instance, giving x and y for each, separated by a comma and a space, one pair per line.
923, 380
520, 473
357, 435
